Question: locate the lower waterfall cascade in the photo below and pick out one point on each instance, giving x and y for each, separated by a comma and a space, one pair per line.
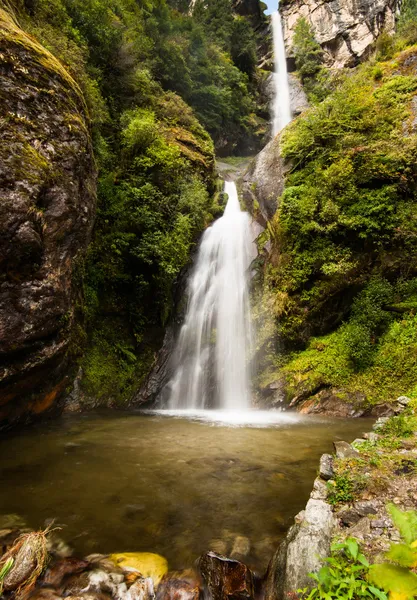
212, 353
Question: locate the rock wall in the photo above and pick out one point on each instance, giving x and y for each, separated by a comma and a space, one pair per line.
47, 189
346, 29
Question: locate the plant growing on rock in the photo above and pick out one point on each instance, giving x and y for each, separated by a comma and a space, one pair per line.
343, 576
396, 576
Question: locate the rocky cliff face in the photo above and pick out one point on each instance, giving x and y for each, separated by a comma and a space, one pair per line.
47, 190
346, 29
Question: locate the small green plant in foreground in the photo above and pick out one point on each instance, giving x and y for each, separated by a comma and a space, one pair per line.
4, 570
343, 576
396, 576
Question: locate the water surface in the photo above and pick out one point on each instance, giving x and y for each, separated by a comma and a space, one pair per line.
176, 485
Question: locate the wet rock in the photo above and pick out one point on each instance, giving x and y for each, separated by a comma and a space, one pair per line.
58, 547
30, 559
47, 208
147, 563
263, 182
142, 589
44, 594
225, 578
67, 566
326, 467
90, 596
300, 552
183, 585
76, 584
345, 450
132, 510
103, 562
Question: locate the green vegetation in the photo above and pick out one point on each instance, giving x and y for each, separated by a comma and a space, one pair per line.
308, 56
160, 86
341, 281
344, 575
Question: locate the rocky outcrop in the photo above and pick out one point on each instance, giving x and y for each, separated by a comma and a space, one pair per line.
300, 554
346, 29
47, 189
263, 182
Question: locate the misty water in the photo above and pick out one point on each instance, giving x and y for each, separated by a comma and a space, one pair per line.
175, 486
211, 358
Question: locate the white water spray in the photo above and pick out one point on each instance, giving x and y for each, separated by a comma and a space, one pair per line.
281, 105
212, 351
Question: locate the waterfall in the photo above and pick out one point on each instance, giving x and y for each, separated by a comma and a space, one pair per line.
281, 105
212, 352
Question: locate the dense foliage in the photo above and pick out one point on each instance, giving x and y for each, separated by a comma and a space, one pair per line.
343, 262
158, 82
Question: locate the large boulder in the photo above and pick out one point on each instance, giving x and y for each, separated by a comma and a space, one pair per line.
263, 182
302, 552
47, 190
346, 29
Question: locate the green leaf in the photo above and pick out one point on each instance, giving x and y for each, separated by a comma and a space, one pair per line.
378, 593
393, 578
405, 521
403, 555
6, 568
362, 559
352, 547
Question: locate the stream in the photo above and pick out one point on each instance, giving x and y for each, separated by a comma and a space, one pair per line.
176, 485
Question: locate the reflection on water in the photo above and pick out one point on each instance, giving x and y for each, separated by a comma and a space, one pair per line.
176, 486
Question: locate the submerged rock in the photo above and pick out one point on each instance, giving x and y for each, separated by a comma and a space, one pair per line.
67, 566
225, 578
183, 585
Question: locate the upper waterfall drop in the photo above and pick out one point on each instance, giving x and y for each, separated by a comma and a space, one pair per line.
212, 352
281, 108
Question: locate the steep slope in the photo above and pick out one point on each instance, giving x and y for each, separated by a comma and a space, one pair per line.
47, 189
340, 275
345, 29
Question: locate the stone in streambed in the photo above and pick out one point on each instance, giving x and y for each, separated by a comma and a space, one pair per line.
67, 566
142, 589
241, 547
184, 585
147, 563
224, 578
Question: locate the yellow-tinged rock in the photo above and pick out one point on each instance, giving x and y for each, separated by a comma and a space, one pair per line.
149, 565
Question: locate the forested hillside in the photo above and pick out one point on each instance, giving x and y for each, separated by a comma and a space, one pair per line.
341, 275
163, 88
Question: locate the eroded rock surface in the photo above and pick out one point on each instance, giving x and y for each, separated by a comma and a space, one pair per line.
346, 29
263, 182
47, 189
